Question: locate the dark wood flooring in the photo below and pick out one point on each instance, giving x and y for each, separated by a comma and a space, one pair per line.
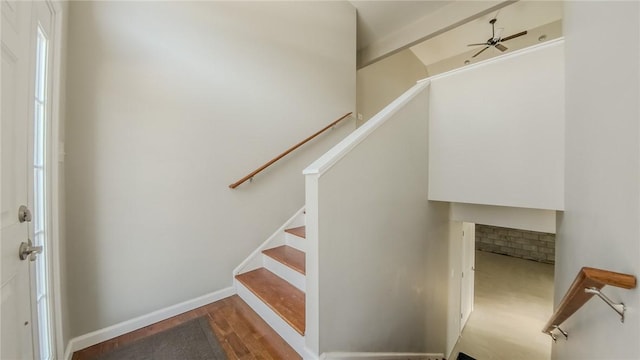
241, 332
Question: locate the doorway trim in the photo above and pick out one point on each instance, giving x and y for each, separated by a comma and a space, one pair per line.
56, 161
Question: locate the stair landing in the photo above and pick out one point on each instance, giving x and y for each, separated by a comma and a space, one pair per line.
283, 298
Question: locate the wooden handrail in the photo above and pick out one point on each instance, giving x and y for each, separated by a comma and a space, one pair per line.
576, 296
256, 171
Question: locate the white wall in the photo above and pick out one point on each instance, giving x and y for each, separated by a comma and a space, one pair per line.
168, 103
381, 247
497, 131
382, 82
505, 216
600, 225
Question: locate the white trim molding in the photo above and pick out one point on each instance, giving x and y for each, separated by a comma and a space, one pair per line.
54, 186
380, 356
98, 336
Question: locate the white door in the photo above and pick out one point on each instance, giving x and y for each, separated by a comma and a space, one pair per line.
468, 268
19, 313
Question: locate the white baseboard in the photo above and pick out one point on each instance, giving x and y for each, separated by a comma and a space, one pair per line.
307, 354
98, 336
296, 242
379, 356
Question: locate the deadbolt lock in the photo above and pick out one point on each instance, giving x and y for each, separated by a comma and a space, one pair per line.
24, 214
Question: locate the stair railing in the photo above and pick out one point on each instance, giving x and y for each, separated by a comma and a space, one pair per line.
587, 283
291, 149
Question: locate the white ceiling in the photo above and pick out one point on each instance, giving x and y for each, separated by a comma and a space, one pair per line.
522, 15
379, 18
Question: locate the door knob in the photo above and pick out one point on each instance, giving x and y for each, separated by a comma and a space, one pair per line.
24, 214
28, 250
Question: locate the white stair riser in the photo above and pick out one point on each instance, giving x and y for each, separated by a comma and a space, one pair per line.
292, 337
256, 261
298, 221
284, 272
278, 238
296, 242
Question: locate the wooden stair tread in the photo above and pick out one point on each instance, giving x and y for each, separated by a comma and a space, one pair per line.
283, 298
289, 256
300, 231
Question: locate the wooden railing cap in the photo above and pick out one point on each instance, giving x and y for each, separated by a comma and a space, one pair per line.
576, 296
291, 149
611, 278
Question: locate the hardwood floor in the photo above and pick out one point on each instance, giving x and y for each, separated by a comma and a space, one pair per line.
241, 332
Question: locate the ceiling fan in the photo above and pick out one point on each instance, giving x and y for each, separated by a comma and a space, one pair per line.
496, 41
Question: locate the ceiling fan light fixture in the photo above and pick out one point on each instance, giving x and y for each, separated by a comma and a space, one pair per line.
542, 37
467, 62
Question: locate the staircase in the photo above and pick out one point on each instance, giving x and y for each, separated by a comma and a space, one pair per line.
272, 282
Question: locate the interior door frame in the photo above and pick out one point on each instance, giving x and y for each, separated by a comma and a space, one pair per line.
467, 282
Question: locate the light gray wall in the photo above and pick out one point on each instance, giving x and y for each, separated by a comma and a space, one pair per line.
382, 246
507, 152
600, 225
505, 216
382, 82
168, 103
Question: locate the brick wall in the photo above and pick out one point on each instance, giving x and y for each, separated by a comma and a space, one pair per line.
530, 245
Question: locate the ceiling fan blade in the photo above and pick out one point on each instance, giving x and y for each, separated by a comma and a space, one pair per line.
480, 52
478, 44
514, 36
501, 47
